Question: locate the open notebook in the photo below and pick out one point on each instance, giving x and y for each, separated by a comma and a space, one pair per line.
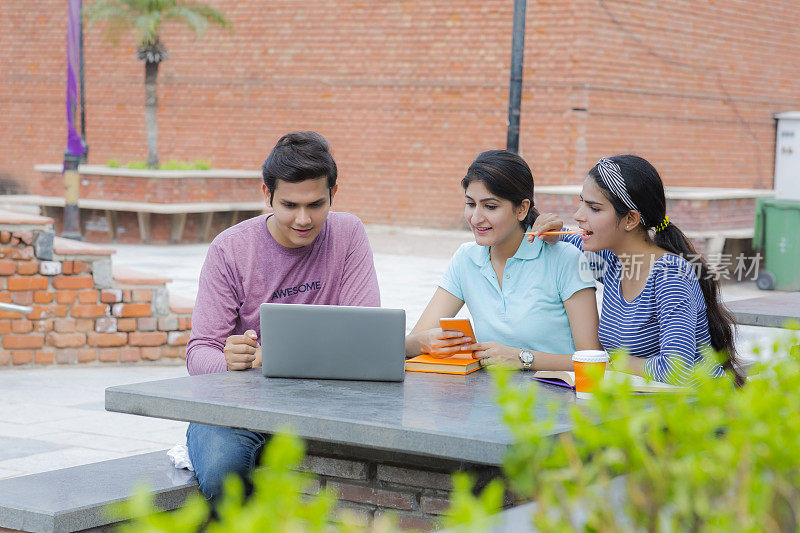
565, 378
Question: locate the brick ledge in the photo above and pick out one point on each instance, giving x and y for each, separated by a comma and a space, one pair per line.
129, 276
100, 170
17, 219
180, 305
672, 193
69, 247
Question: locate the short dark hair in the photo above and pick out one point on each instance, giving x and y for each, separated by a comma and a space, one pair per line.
299, 156
507, 175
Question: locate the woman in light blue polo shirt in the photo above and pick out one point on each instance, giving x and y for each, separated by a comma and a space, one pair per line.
527, 300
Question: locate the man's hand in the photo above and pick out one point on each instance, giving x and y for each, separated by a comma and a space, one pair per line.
494, 353
242, 351
257, 360
445, 343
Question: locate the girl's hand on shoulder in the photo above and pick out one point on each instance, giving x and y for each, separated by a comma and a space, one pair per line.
443, 343
546, 222
494, 353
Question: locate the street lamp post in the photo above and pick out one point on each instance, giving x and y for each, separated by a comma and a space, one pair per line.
515, 85
76, 148
72, 186
85, 153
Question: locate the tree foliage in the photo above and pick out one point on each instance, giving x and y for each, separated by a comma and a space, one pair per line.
147, 16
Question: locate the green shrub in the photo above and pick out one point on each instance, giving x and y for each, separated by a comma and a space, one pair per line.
172, 164
721, 459
276, 504
471, 513
138, 165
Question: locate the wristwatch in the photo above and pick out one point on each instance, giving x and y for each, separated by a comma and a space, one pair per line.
526, 357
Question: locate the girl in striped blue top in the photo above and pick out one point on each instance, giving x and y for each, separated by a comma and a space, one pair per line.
664, 310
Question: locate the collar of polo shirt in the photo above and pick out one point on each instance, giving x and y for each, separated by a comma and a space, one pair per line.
527, 250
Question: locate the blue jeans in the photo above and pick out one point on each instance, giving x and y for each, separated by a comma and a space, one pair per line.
218, 451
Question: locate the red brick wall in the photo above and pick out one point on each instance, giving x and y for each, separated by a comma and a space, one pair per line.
76, 321
691, 85
409, 92
688, 215
368, 489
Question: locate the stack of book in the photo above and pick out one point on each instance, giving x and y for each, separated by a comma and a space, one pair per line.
461, 364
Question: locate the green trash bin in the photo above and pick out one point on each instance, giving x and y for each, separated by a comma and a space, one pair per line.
777, 230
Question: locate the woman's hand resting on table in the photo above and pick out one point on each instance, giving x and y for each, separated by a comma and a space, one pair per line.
494, 353
546, 222
442, 343
242, 351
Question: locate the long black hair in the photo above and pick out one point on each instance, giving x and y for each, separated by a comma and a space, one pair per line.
506, 175
646, 190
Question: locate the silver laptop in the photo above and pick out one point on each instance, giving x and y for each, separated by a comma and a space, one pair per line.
333, 342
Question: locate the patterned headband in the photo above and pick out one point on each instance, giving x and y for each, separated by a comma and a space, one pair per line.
612, 178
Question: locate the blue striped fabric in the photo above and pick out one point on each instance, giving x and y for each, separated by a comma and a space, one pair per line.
666, 324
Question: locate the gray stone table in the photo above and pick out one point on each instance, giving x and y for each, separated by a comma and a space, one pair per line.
772, 310
428, 415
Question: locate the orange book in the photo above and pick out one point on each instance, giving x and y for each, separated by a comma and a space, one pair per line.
457, 364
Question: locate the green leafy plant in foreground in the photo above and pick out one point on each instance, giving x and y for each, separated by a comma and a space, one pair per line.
720, 459
470, 512
276, 504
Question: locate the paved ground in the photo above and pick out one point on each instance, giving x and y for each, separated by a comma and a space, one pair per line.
54, 417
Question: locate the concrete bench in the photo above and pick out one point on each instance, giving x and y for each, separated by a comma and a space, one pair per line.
75, 499
715, 241
143, 210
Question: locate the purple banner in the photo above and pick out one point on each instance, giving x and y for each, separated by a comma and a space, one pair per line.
74, 143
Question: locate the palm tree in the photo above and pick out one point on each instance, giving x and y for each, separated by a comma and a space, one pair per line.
146, 16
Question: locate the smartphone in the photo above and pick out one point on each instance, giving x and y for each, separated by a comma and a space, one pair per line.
464, 325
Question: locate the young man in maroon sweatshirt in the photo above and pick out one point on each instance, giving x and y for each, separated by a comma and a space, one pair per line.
300, 253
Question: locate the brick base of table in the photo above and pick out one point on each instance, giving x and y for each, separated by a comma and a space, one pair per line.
371, 484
